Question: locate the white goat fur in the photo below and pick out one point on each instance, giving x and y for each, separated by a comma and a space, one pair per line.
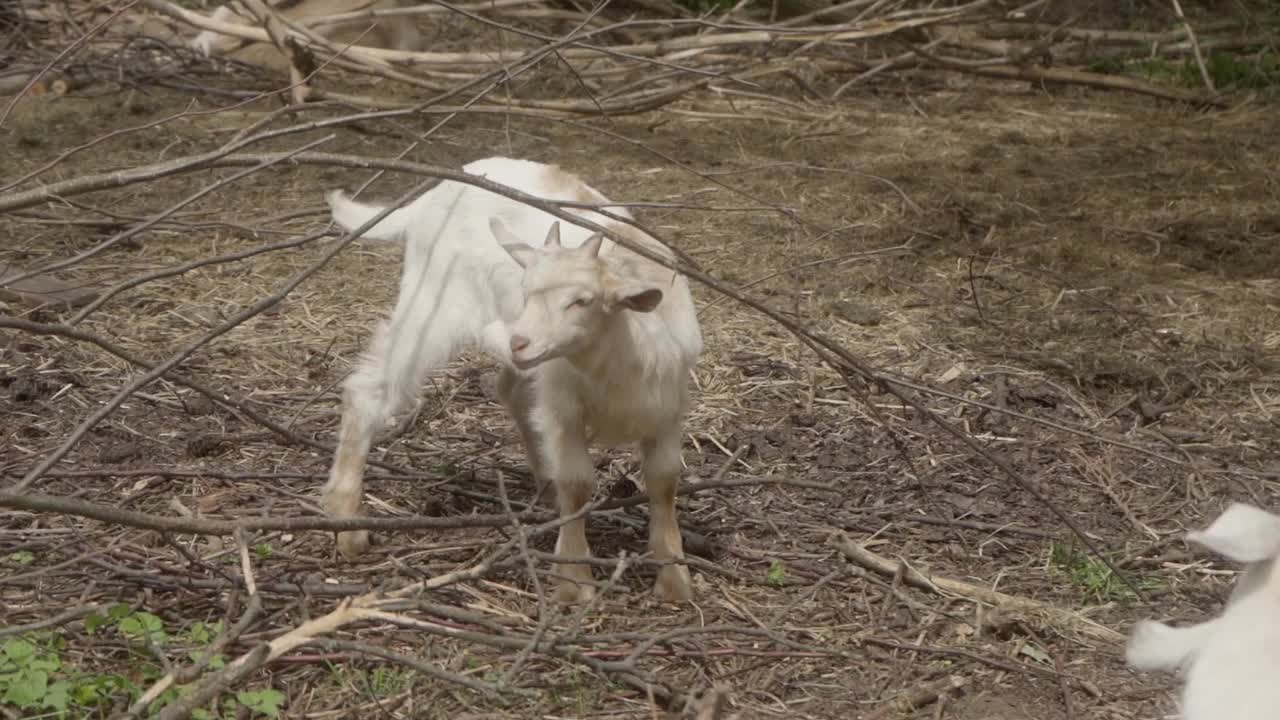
395, 33
596, 343
1231, 663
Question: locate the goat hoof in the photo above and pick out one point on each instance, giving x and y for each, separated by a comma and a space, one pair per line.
674, 585
1147, 648
574, 594
353, 544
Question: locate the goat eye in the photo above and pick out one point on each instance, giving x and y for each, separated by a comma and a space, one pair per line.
580, 302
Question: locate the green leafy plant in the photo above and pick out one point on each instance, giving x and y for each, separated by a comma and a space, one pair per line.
143, 627
26, 672
777, 575
22, 557
35, 679
264, 702
1098, 583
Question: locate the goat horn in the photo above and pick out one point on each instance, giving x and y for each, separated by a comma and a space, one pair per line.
592, 246
553, 235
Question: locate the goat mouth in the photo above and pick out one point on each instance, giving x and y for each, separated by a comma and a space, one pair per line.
530, 362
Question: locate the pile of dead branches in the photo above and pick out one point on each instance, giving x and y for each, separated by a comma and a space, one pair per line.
628, 59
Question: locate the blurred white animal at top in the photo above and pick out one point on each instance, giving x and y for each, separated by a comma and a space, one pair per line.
1231, 663
596, 342
396, 33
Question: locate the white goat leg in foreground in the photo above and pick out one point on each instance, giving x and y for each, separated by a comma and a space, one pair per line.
596, 343
1232, 663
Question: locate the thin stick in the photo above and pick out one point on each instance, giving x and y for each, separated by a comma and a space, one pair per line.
938, 584
61, 618
1195, 46
916, 698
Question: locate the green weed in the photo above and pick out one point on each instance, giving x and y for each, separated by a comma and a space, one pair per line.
36, 677
1227, 70
1098, 583
777, 575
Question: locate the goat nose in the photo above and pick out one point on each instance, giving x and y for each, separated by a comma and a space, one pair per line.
518, 343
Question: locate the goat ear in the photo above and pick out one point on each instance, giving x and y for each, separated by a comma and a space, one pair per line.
553, 235
1243, 533
637, 298
591, 248
520, 252
515, 247
502, 233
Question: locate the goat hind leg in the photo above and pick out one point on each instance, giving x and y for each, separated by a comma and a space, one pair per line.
364, 407
386, 379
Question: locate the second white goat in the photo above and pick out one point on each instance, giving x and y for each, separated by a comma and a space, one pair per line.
400, 33
596, 342
1232, 662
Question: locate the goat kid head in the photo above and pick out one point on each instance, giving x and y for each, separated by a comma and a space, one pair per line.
1249, 536
569, 296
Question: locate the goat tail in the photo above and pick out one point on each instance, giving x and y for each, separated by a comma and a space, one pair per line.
351, 214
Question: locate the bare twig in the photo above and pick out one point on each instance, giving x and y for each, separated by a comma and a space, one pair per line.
934, 583
1195, 46
916, 698
61, 618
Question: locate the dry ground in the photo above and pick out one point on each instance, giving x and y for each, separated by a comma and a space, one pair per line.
1103, 271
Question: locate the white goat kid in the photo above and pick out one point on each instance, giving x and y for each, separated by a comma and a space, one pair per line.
1231, 663
596, 342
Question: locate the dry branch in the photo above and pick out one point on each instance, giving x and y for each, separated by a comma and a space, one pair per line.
1080, 77
60, 619
919, 697
301, 64
581, 50
31, 288
41, 503
1055, 616
714, 703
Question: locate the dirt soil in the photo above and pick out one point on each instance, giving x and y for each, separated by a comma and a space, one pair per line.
1086, 283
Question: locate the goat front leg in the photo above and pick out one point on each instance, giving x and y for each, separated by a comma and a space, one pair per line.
516, 396
661, 468
1156, 646
573, 475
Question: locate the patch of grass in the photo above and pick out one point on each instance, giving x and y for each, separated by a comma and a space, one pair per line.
578, 696
1228, 70
36, 675
1257, 73
380, 680
1098, 583
264, 551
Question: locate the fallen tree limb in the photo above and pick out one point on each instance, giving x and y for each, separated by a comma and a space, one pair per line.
1123, 37
580, 48
1036, 74
934, 583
